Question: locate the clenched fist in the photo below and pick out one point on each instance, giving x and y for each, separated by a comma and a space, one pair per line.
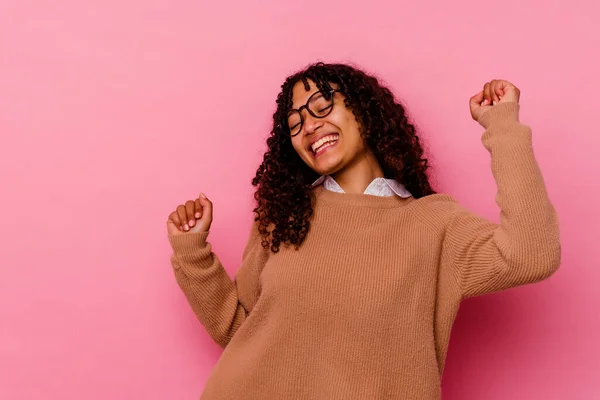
494, 92
195, 216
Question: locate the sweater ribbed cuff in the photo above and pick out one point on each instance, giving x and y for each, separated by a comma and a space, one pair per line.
188, 243
500, 113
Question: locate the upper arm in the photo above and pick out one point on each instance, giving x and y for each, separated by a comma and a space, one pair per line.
487, 257
247, 277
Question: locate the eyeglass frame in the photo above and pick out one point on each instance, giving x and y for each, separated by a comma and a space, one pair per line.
299, 110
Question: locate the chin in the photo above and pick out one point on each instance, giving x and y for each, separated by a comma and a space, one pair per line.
327, 170
327, 164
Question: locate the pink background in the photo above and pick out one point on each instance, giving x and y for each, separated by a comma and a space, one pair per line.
114, 112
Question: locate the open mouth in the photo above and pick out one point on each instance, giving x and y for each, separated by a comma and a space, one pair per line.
323, 144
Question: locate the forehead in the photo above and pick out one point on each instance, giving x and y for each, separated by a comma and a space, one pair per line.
300, 95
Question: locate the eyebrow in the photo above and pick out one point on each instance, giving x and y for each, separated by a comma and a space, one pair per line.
296, 108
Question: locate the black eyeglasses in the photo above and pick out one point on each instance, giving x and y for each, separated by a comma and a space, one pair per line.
319, 105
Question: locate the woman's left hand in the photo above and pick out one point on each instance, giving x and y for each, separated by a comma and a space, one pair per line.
494, 92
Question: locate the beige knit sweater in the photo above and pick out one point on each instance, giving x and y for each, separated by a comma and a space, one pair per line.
364, 309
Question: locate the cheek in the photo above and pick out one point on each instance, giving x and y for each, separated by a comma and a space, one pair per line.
352, 134
350, 127
346, 121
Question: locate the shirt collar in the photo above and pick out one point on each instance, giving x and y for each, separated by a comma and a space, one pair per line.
379, 186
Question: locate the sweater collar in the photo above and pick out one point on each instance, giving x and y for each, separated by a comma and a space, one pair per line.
378, 187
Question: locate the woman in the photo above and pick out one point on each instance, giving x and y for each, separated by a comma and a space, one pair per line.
355, 268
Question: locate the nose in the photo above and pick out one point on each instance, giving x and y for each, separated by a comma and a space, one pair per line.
310, 123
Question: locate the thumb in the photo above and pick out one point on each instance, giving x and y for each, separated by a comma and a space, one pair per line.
203, 223
475, 104
511, 93
207, 210
477, 98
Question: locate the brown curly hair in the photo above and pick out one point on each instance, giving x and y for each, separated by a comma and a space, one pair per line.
284, 195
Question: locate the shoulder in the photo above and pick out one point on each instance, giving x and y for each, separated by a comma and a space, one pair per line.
437, 201
435, 210
255, 239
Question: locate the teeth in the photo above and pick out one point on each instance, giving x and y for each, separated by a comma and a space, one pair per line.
322, 141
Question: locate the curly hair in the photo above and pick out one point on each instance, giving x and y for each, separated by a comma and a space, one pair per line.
283, 181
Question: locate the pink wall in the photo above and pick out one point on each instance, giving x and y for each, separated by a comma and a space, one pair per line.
113, 113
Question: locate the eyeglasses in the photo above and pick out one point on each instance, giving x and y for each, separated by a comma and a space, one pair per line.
319, 105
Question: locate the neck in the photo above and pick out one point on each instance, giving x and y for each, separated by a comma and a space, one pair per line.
355, 178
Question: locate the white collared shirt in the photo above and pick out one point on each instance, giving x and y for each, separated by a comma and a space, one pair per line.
378, 187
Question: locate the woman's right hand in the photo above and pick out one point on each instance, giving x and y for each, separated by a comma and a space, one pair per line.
193, 217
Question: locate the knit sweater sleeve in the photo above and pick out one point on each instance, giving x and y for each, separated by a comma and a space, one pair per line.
525, 246
220, 303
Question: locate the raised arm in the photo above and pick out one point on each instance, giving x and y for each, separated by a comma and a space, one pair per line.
525, 246
220, 303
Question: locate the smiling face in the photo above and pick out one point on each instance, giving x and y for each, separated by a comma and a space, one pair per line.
330, 144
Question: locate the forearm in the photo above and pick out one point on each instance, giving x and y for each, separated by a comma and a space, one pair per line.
209, 290
529, 225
